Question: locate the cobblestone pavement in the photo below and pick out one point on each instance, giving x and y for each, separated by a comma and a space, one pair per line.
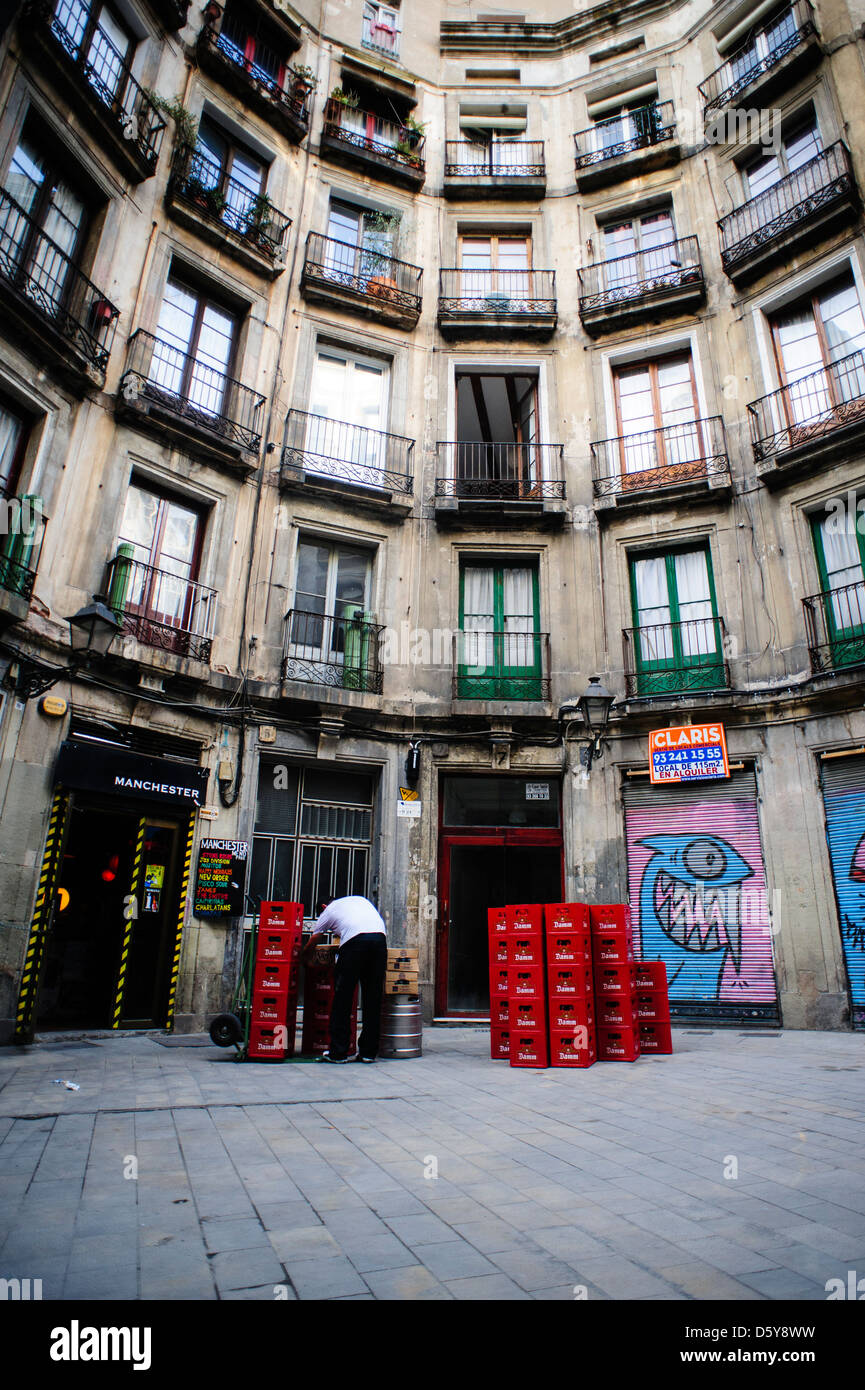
734, 1169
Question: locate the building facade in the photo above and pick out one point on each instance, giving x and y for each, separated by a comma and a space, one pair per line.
388, 372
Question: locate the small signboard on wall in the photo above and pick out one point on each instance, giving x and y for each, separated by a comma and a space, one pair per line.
220, 878
692, 752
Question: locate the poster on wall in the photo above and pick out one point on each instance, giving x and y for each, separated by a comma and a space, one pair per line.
691, 752
220, 878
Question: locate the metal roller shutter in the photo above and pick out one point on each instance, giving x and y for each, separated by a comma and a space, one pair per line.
698, 894
843, 784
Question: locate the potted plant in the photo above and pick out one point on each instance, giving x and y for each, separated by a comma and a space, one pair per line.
215, 199
380, 232
412, 132
258, 216
305, 79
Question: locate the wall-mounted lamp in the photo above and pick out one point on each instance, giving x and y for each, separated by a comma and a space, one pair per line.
92, 630
594, 706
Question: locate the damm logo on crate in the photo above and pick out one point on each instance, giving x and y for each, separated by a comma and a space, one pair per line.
689, 753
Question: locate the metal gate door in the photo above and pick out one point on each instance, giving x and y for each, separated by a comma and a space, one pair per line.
843, 785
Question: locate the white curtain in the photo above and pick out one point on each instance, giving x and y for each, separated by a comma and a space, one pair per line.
518, 618
478, 618
10, 434
843, 568
695, 603
653, 609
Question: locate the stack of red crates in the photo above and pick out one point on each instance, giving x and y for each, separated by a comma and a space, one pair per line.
500, 1037
317, 1004
273, 1016
569, 980
652, 1007
615, 983
527, 986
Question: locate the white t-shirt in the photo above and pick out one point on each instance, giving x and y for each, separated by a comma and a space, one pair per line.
348, 917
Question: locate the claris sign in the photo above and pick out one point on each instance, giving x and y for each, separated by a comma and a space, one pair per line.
688, 753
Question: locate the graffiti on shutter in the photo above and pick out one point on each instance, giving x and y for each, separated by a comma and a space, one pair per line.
843, 783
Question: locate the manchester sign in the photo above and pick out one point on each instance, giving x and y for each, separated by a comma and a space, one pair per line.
687, 754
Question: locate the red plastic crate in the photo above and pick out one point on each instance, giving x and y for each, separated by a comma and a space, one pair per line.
656, 1037
500, 1044
267, 1042
497, 921
529, 1050
525, 919
499, 946
618, 1044
273, 977
651, 1006
526, 982
616, 1011
614, 979
651, 974
567, 917
567, 1014
275, 944
568, 947
279, 914
610, 917
528, 1015
568, 1051
612, 948
268, 1009
569, 981
525, 950
499, 982
500, 1012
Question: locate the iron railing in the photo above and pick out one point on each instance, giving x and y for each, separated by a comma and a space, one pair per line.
342, 651
765, 47
105, 72
249, 217
347, 453
21, 544
804, 411
668, 658
380, 37
513, 293
659, 270
364, 130
634, 130
835, 627
362, 270
193, 392
267, 75
793, 200
510, 665
501, 159
500, 472
42, 277
659, 458
161, 609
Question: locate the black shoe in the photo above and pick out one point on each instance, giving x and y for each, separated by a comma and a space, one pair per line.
326, 1057
368, 1060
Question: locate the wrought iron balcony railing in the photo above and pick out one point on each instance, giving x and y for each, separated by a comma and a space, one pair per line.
42, 278
250, 218
363, 271
675, 658
21, 544
660, 458
643, 275
512, 293
835, 628
500, 472
185, 387
161, 609
807, 410
791, 202
367, 132
347, 453
267, 76
634, 130
343, 651
510, 665
501, 159
105, 74
379, 36
767, 45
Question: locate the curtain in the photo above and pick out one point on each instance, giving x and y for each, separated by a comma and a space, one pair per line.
653, 609
10, 435
695, 603
843, 568
519, 617
478, 618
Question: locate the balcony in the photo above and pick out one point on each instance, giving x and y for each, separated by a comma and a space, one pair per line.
660, 466
774, 55
160, 609
811, 422
330, 458
226, 214
675, 658
368, 143
98, 85
620, 148
379, 37
498, 170
266, 84
341, 652
820, 195
663, 280
512, 666
20, 549
362, 281
497, 303
835, 628
172, 13
181, 398
500, 482
61, 315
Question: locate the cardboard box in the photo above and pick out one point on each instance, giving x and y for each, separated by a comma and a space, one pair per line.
401, 982
402, 958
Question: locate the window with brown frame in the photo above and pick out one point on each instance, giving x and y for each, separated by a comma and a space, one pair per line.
196, 344
496, 266
14, 431
161, 538
819, 347
657, 417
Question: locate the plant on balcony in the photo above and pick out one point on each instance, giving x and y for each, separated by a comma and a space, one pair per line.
215, 199
185, 123
348, 99
305, 79
258, 218
412, 132
380, 233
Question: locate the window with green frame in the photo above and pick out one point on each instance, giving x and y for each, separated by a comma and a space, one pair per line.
840, 551
677, 642
499, 648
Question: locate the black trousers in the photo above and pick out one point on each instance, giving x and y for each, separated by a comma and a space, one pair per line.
361, 961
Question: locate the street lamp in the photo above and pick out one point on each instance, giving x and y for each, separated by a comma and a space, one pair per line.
92, 630
594, 705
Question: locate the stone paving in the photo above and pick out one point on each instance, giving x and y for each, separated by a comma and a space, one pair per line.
734, 1169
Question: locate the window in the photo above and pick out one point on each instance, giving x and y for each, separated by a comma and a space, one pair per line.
95, 30
195, 346
494, 268
160, 536
840, 551
254, 47
237, 176
361, 243
678, 641
818, 345
634, 126
499, 643
330, 627
651, 235
796, 149
14, 428
765, 46
656, 412
381, 27
349, 397
497, 451
44, 227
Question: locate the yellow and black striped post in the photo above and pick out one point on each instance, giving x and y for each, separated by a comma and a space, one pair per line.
130, 919
45, 895
181, 909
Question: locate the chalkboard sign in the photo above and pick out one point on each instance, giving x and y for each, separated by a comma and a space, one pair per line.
220, 878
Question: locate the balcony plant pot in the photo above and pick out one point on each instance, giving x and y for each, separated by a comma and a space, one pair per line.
102, 312
382, 287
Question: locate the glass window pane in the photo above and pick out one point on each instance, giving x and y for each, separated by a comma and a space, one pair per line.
352, 787
276, 806
259, 874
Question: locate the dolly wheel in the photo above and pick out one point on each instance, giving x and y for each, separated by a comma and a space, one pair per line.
225, 1030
